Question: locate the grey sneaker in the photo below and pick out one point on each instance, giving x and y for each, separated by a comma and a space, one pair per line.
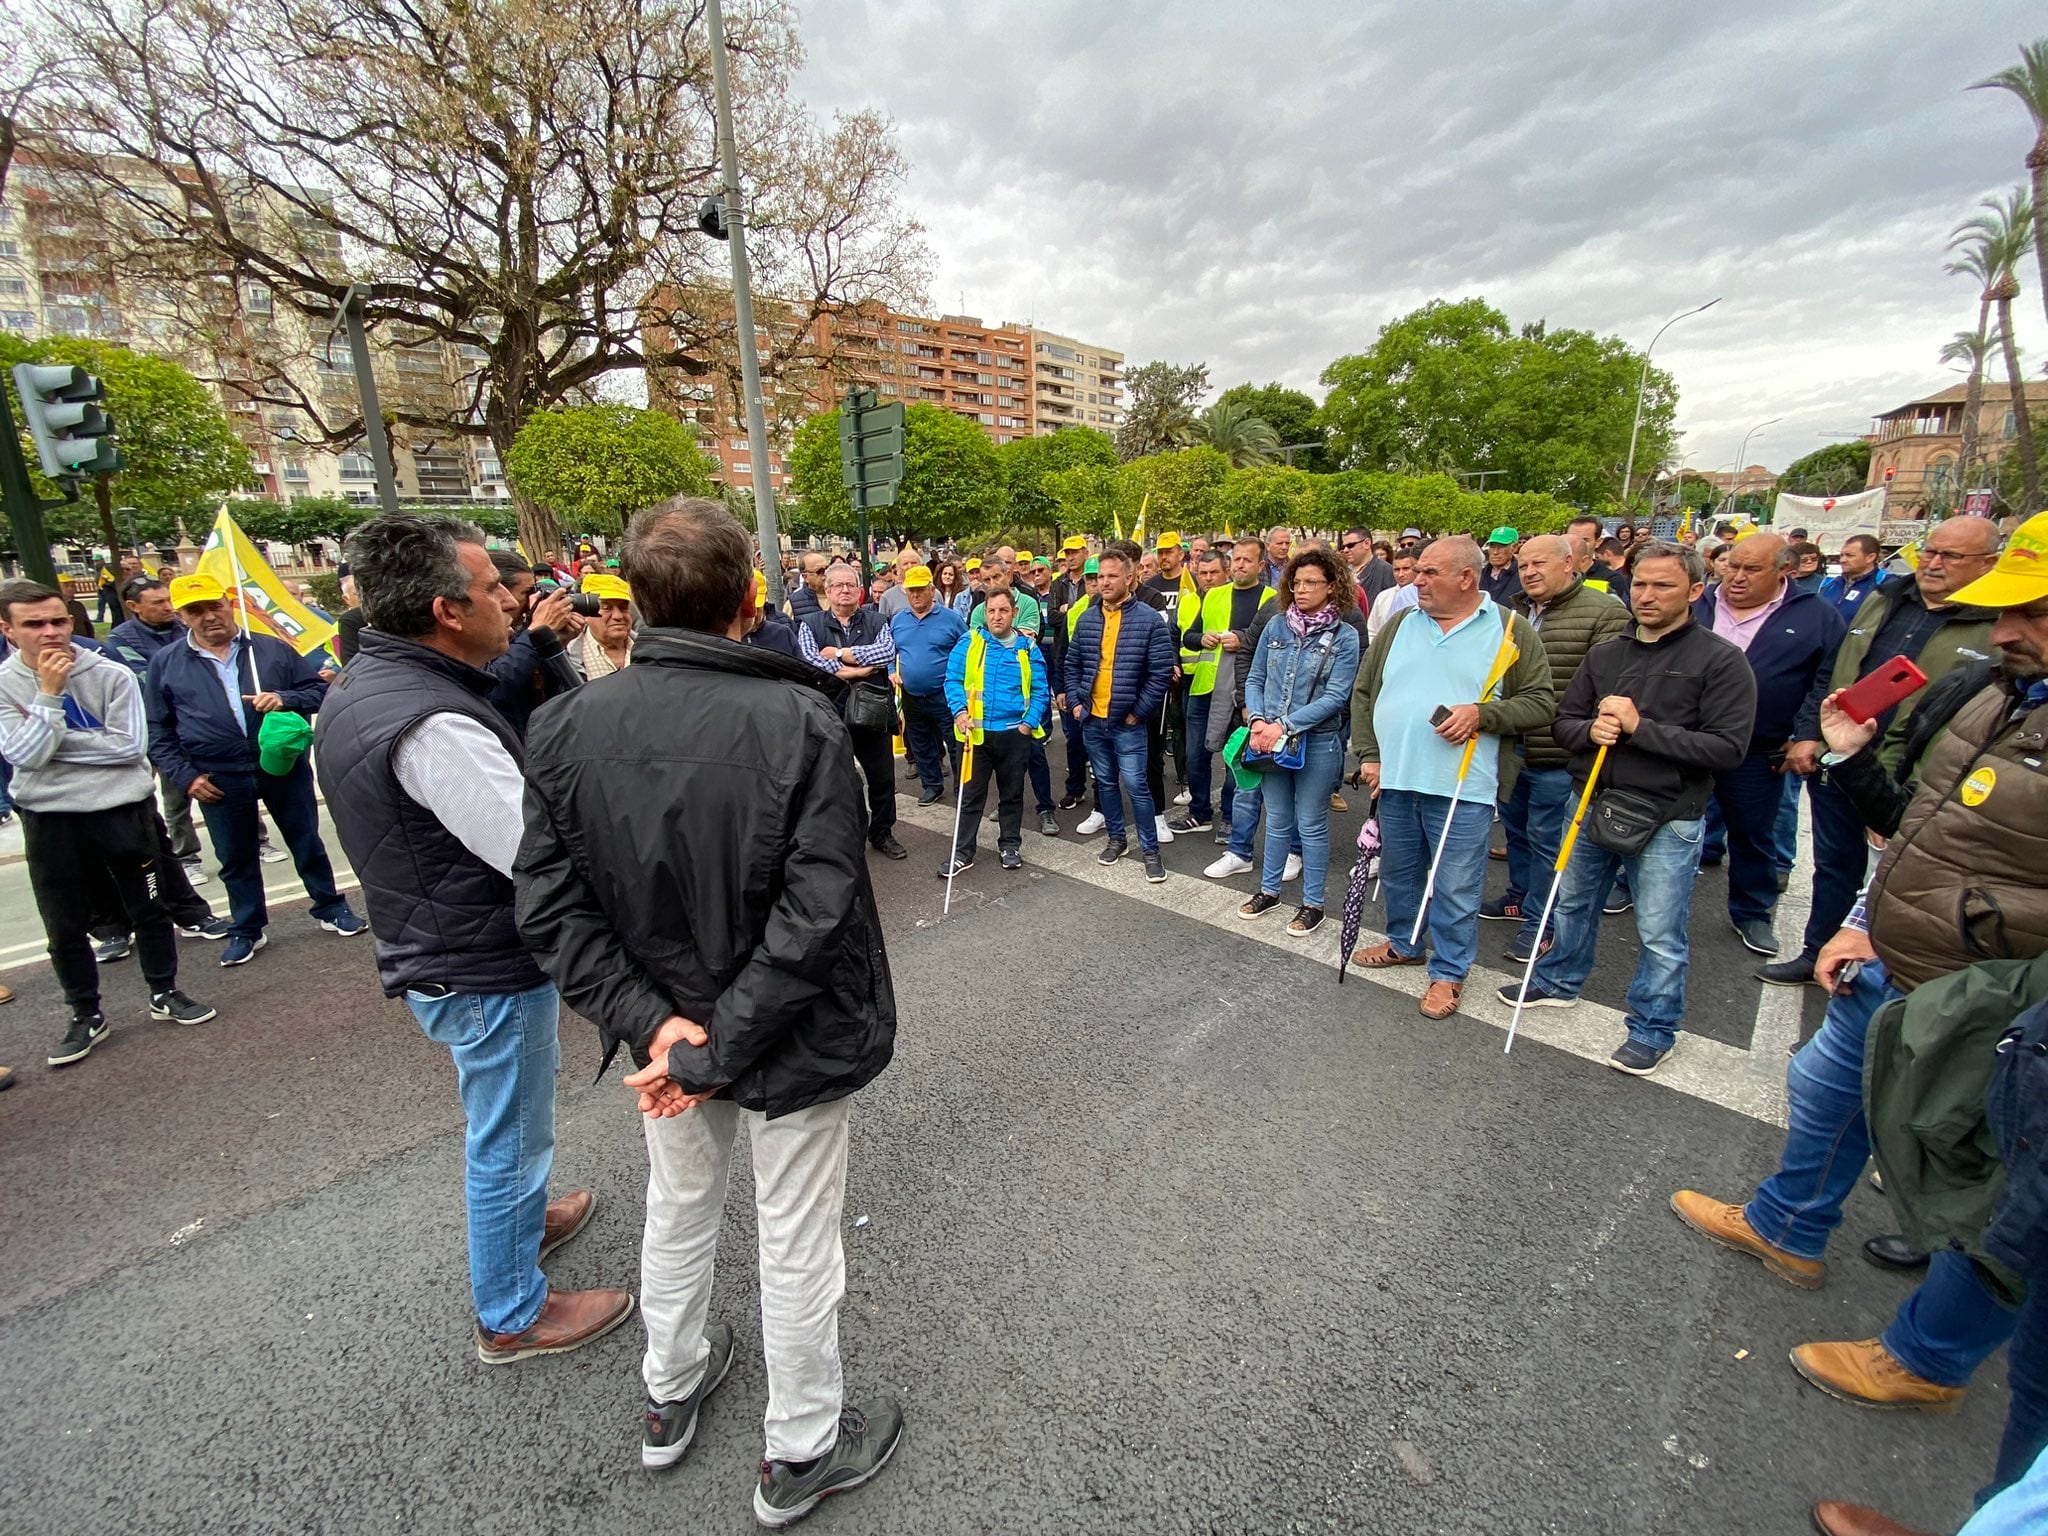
178, 1008
1155, 869
866, 1442
666, 1428
107, 951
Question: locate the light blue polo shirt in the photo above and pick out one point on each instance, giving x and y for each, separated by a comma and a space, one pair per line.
1428, 667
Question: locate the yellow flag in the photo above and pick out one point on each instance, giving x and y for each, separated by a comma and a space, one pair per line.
262, 604
1138, 528
1911, 555
1116, 520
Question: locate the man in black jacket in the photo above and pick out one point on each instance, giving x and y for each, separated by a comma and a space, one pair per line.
1673, 704
692, 876
850, 640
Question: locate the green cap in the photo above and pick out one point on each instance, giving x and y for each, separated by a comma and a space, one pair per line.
1502, 536
1090, 568
282, 740
1233, 758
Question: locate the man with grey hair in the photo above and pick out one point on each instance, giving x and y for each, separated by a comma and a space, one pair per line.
422, 774
1421, 696
850, 640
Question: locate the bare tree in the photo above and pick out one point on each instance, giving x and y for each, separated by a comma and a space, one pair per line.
511, 180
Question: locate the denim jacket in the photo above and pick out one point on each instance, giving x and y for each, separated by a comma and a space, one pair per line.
1305, 686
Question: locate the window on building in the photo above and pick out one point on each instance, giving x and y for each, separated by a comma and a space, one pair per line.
357, 466
256, 298
20, 321
2012, 424
10, 250
14, 285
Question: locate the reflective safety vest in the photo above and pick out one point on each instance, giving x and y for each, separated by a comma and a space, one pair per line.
1190, 605
1216, 616
1074, 613
976, 681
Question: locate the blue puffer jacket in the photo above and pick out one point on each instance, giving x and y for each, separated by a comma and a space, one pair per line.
1793, 657
1283, 682
1141, 670
192, 731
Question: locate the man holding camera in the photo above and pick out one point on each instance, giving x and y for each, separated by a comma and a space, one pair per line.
1673, 704
535, 666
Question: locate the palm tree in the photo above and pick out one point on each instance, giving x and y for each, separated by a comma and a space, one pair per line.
2028, 80
1996, 240
1230, 427
1972, 347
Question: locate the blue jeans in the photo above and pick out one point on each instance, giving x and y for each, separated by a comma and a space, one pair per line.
1841, 857
506, 1054
1298, 811
1118, 752
2026, 1414
1410, 825
1785, 831
1202, 762
233, 826
1660, 878
1534, 817
928, 734
1246, 811
1751, 798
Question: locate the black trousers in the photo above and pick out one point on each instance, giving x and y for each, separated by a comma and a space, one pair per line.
69, 853
187, 907
875, 751
1175, 714
1003, 755
1077, 754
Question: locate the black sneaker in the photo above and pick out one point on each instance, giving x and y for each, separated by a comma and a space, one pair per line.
931, 797
955, 866
179, 1009
888, 847
212, 928
1259, 905
1784, 880
1306, 921
1155, 868
1048, 823
1071, 802
1618, 902
1518, 952
666, 1428
1787, 973
1538, 997
865, 1444
1756, 935
1502, 911
1112, 850
85, 1034
1012, 859
1636, 1059
106, 951
1189, 822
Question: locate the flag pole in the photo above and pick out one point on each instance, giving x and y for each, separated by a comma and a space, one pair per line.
1564, 854
225, 525
965, 772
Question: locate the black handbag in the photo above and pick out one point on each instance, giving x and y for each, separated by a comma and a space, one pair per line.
871, 708
1623, 821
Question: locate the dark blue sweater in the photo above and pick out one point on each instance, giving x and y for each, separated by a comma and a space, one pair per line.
1793, 658
191, 729
134, 643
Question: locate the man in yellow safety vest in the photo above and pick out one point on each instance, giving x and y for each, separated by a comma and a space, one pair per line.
1000, 695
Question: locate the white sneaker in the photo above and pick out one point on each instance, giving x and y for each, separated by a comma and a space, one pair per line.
1095, 822
195, 872
1165, 832
1293, 869
1185, 797
270, 853
1230, 864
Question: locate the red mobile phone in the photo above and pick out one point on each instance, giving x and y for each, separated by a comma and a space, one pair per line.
1898, 678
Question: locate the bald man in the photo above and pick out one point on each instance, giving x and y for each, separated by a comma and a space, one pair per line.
1790, 638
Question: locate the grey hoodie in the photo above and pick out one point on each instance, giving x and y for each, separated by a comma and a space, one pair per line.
89, 750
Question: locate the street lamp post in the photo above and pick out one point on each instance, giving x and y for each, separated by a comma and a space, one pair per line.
1642, 383
1742, 453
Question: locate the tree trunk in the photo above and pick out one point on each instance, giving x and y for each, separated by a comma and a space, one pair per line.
539, 534
2030, 474
103, 493
1973, 401
2037, 162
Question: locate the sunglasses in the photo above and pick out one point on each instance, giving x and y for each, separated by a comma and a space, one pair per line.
1354, 544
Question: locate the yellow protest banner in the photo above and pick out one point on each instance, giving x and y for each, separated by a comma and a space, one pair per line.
262, 603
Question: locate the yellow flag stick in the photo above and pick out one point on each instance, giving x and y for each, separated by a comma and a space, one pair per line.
1564, 857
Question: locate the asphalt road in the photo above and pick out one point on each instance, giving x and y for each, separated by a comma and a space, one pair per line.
1165, 1233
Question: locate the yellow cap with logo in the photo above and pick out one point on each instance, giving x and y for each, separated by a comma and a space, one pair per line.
1168, 541
186, 590
600, 585
1072, 542
2021, 575
917, 576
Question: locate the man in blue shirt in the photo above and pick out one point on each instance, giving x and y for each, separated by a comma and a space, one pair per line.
1859, 576
925, 635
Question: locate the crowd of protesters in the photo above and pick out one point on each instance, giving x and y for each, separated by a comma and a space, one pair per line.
1653, 706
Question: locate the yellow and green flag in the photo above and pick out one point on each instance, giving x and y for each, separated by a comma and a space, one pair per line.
263, 604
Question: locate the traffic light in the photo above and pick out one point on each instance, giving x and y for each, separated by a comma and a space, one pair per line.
74, 438
711, 218
871, 448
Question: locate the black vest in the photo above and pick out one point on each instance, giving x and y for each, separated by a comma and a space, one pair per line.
439, 913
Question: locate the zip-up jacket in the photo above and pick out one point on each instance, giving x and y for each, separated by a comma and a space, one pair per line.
985, 679
1572, 624
1792, 657
1304, 684
1963, 637
134, 643
1141, 669
191, 729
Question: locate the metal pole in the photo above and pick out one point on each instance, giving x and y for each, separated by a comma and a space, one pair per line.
1642, 383
1735, 476
366, 391
743, 314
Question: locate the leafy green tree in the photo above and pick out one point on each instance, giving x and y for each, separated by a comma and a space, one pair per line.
1233, 431
1177, 492
1027, 461
594, 466
1085, 497
1353, 498
1254, 499
952, 484
1293, 416
1162, 409
1828, 471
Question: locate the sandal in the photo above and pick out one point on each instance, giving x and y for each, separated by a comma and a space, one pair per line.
1383, 955
1441, 1000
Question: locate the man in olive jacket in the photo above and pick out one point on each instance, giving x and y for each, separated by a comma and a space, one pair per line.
1572, 618
692, 876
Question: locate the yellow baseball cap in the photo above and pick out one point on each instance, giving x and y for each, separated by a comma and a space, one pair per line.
1023, 557
1072, 542
1168, 541
600, 584
917, 576
2021, 575
974, 564
195, 589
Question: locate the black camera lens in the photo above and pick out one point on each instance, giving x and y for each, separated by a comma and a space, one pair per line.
584, 603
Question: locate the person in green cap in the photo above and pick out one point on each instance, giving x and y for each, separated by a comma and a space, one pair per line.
1501, 581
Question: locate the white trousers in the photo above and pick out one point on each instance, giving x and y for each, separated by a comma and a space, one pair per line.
799, 1198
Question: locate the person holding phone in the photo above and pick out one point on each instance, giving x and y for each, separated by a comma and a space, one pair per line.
1914, 617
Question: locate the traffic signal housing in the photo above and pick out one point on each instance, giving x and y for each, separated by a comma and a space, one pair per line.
74, 437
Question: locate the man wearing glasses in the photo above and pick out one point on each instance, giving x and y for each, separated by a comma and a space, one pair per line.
1372, 574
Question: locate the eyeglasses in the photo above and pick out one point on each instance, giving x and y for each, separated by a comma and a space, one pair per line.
1353, 544
1957, 554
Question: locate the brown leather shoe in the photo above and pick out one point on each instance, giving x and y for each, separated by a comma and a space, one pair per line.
1380, 956
6, 1077
566, 1217
1726, 1225
1441, 1000
6, 994
1338, 802
568, 1319
1833, 1518
1867, 1374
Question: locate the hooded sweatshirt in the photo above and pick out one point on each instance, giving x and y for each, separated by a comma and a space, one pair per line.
87, 751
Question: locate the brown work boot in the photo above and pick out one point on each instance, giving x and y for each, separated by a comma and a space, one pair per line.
1834, 1518
566, 1217
6, 994
1726, 1225
1869, 1375
1441, 1000
568, 1319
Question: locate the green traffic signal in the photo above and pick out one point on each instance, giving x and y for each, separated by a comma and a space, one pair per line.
74, 437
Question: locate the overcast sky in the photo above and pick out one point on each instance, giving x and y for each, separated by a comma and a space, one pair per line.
1262, 187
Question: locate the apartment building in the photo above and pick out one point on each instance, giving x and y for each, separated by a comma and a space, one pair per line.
1074, 383
1916, 448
